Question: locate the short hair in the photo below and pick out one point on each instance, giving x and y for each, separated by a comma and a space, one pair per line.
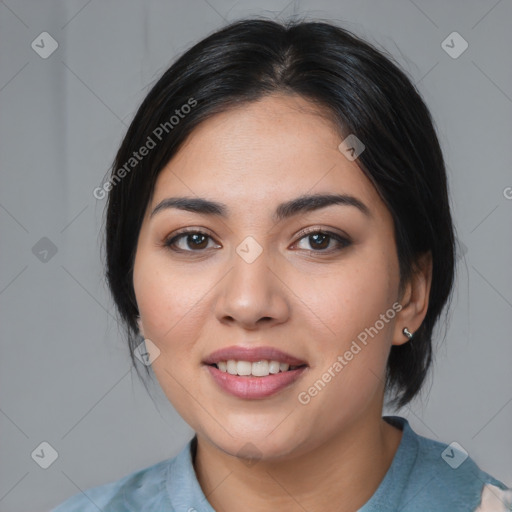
360, 89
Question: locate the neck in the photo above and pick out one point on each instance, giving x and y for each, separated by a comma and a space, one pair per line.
339, 475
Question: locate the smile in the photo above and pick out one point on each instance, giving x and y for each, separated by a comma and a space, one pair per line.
253, 372
261, 368
250, 387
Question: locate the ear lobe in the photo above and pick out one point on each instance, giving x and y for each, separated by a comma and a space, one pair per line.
415, 300
139, 323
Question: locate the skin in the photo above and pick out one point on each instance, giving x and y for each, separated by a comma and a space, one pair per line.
332, 453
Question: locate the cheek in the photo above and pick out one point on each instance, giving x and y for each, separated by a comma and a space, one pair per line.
169, 301
345, 300
172, 312
352, 339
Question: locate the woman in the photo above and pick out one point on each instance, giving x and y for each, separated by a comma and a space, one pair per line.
280, 247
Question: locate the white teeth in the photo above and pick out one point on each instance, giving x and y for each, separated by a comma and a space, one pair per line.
257, 369
231, 367
273, 367
243, 368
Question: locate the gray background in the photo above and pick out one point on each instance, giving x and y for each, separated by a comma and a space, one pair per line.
65, 371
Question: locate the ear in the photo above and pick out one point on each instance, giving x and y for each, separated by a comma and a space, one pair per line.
139, 323
414, 300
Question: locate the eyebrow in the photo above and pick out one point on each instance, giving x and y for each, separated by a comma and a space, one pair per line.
301, 204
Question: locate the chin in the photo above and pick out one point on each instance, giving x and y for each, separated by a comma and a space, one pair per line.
256, 442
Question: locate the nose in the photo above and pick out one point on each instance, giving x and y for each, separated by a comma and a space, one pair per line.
252, 295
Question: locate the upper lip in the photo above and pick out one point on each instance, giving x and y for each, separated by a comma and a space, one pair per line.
252, 354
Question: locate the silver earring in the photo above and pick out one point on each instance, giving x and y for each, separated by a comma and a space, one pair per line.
407, 333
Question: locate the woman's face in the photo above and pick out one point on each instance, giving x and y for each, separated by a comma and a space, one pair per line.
260, 276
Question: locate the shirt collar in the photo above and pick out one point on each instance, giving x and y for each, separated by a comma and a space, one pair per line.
185, 493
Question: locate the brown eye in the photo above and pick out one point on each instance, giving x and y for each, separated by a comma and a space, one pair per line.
320, 241
189, 241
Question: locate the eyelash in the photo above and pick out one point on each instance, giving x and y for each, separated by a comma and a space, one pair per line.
342, 241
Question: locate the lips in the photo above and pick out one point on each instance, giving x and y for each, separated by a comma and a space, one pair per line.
251, 387
254, 388
253, 354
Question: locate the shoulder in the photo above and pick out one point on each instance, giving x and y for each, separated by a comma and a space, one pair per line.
141, 490
442, 476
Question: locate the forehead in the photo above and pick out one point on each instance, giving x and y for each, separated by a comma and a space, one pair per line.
255, 156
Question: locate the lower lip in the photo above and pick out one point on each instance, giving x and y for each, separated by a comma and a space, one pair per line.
254, 387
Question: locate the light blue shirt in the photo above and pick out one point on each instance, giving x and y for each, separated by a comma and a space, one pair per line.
425, 475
